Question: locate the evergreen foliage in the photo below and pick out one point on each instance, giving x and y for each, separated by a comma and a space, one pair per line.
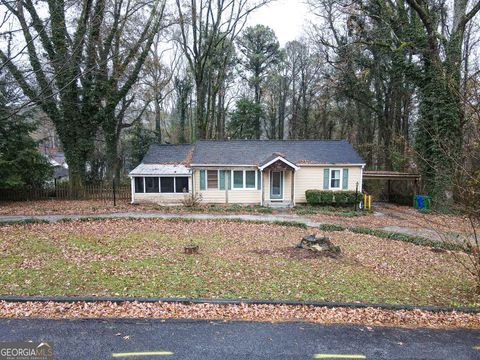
243, 120
21, 164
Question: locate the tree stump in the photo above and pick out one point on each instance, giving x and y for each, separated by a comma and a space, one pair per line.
320, 245
191, 249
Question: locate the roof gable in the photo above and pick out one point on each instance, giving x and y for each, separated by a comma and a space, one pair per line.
277, 158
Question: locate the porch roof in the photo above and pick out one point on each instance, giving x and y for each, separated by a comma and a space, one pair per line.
160, 169
275, 160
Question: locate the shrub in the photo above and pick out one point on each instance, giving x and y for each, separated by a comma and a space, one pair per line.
332, 227
317, 197
291, 223
339, 198
192, 200
347, 198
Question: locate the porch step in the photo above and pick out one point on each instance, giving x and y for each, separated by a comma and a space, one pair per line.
279, 204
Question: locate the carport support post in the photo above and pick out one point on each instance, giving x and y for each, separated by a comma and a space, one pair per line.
389, 186
114, 196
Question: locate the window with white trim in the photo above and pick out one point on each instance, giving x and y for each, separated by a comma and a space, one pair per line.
238, 179
244, 179
335, 179
212, 179
251, 179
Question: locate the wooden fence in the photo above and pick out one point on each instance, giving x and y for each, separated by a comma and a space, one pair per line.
103, 192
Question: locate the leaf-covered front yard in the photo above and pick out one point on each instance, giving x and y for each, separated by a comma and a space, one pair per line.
237, 260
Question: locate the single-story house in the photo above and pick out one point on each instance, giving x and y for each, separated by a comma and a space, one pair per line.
261, 172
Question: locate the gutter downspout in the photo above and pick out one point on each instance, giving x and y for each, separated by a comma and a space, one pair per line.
132, 189
227, 182
193, 183
262, 188
293, 187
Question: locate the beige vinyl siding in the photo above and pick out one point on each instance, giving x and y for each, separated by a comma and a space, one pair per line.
311, 178
235, 196
159, 198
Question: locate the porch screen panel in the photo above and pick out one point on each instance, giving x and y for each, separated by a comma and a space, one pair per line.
181, 184
151, 185
167, 184
139, 185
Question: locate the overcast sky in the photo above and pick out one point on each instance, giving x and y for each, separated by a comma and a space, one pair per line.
286, 17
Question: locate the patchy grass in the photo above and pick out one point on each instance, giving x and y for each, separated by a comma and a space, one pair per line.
387, 215
328, 210
92, 207
237, 260
393, 235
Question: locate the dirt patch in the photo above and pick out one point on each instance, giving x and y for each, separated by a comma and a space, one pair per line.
294, 253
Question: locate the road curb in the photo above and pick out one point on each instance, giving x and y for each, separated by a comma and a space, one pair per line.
188, 301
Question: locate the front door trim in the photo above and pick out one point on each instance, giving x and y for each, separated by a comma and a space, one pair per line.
277, 197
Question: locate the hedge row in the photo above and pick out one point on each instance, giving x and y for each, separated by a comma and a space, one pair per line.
341, 198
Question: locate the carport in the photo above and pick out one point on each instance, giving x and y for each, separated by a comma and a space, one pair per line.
390, 176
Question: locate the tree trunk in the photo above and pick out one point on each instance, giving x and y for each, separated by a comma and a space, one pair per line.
200, 121
257, 127
158, 119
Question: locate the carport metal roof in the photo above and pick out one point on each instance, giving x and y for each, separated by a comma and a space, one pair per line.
389, 175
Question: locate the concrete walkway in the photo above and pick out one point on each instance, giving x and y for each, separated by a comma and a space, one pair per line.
149, 215
430, 234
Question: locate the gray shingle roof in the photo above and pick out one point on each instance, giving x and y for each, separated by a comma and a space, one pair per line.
168, 154
256, 152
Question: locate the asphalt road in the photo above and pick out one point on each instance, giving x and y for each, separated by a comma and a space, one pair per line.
215, 340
